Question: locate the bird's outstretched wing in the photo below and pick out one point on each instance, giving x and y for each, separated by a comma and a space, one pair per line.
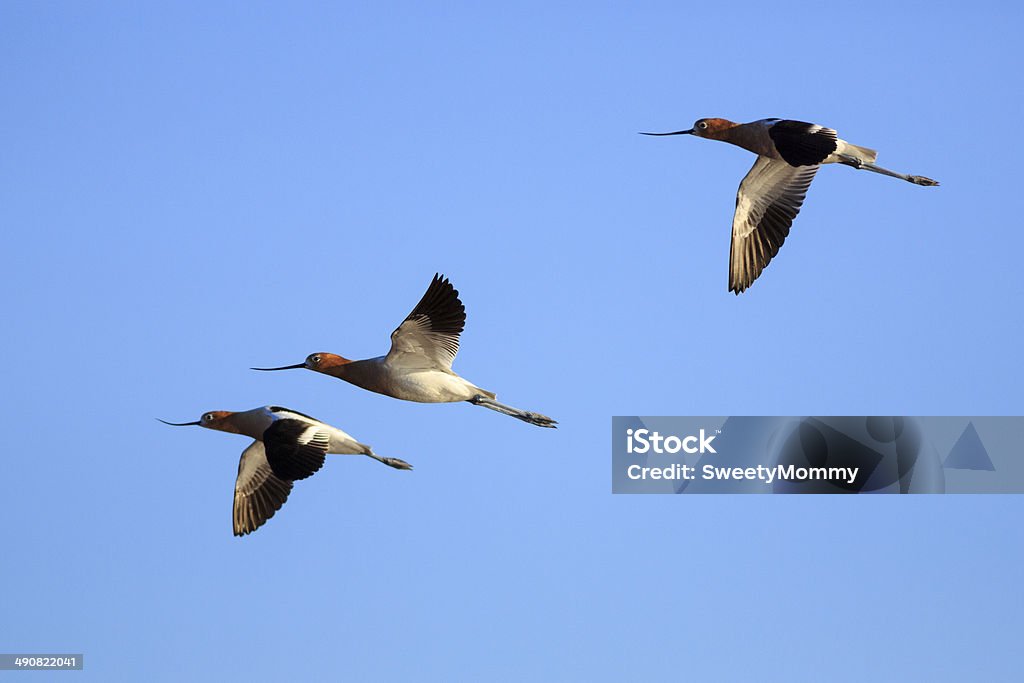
295, 449
429, 336
259, 493
768, 200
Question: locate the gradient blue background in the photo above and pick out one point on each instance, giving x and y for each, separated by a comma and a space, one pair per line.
187, 190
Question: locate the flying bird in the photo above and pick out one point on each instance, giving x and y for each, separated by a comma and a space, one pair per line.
288, 446
419, 365
770, 196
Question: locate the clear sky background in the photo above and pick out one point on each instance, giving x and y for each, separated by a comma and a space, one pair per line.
188, 190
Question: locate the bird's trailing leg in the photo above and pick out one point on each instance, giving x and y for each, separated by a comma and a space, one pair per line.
390, 462
524, 415
865, 166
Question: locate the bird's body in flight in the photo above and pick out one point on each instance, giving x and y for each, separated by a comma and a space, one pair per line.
419, 365
287, 446
770, 196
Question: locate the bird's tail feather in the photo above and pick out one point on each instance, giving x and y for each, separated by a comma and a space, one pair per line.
865, 154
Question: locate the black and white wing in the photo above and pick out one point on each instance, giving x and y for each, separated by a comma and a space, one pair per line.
768, 200
429, 336
295, 449
259, 493
803, 144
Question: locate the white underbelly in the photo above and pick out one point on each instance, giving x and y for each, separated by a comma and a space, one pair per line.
431, 386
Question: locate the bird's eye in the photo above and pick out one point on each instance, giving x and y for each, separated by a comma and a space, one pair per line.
207, 417
316, 360
702, 125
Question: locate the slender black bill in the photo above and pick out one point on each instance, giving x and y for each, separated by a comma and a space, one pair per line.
286, 367
179, 424
678, 132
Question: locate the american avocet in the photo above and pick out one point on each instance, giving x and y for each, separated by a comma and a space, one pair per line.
288, 446
419, 365
770, 196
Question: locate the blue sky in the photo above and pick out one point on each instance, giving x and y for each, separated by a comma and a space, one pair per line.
189, 190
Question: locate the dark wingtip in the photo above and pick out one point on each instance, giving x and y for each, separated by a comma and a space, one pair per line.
440, 279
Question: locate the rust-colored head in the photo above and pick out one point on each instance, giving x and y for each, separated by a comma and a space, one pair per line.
325, 362
705, 128
712, 128
215, 419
